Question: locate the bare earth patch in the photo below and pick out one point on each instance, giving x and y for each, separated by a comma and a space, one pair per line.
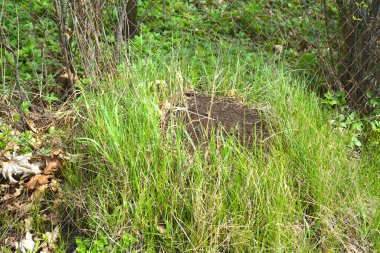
206, 114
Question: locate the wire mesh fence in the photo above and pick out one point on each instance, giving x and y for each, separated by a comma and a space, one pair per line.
337, 43
47, 47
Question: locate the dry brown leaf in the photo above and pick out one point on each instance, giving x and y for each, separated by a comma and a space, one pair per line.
31, 126
52, 165
6, 197
37, 181
50, 243
57, 152
21, 209
38, 193
28, 223
54, 186
53, 217
161, 229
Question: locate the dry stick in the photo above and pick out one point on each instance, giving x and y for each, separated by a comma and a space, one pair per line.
212, 100
3, 157
130, 26
64, 47
88, 26
96, 11
78, 30
119, 30
331, 69
17, 83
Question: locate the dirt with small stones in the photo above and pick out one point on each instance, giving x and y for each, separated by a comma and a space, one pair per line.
205, 113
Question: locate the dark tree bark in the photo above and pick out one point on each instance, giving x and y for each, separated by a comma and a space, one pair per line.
130, 26
359, 66
126, 25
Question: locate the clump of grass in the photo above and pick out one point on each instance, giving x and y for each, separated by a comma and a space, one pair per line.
304, 192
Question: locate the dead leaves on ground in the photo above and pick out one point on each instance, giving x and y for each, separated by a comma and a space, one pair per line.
19, 167
37, 181
19, 206
33, 243
27, 179
52, 165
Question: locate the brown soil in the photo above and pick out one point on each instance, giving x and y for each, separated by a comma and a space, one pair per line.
209, 113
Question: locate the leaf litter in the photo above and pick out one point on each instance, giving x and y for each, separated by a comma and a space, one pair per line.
19, 166
27, 178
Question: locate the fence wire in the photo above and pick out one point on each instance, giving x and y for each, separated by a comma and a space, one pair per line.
335, 42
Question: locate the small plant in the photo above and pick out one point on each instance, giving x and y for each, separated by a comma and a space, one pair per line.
100, 245
5, 134
345, 118
50, 98
11, 140
25, 141
25, 106
86, 246
374, 103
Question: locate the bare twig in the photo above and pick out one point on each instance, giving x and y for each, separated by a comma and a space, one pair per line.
17, 81
60, 19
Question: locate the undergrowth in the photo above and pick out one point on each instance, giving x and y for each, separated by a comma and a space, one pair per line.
139, 187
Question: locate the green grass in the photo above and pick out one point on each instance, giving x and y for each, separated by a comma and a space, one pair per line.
306, 190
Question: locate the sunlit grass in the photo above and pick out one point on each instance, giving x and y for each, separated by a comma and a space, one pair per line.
302, 191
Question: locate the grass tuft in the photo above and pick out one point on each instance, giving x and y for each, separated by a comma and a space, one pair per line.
306, 191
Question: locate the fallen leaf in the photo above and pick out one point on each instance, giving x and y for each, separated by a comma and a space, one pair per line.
6, 197
18, 191
27, 244
54, 186
52, 237
19, 166
28, 223
50, 241
57, 152
37, 181
31, 126
38, 192
52, 217
161, 229
52, 165
277, 49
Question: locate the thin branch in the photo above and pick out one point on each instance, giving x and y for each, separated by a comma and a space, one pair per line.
17, 81
60, 19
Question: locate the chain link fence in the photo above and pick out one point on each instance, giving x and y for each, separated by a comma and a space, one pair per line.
337, 43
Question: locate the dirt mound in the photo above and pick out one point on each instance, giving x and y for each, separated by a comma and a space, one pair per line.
208, 113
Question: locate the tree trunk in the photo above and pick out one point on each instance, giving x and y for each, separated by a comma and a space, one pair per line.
359, 54
130, 20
